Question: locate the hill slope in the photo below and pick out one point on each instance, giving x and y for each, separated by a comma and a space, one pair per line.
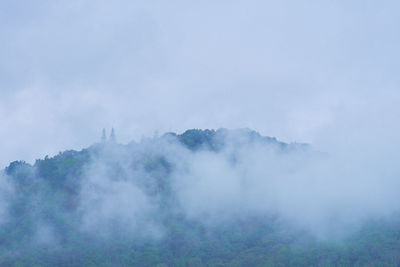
201, 198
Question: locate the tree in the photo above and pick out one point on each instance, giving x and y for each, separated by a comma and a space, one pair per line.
113, 139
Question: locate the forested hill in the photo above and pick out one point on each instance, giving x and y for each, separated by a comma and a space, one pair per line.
69, 163
201, 198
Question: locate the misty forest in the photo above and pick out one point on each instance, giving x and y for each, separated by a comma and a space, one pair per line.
236, 133
200, 198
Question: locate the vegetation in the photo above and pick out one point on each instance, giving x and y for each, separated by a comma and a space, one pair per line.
43, 221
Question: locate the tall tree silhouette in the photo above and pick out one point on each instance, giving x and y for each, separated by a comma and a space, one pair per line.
113, 139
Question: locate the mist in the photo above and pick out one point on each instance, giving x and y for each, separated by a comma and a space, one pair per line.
285, 69
140, 194
328, 194
121, 186
309, 93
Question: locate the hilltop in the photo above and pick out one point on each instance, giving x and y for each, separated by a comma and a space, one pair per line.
200, 198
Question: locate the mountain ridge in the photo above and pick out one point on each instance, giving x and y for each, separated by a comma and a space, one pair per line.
193, 139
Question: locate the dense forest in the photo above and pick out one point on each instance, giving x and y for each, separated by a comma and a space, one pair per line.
186, 199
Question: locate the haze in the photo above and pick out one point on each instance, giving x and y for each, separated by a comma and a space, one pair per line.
322, 72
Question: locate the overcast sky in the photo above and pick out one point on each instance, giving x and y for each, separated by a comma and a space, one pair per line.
323, 72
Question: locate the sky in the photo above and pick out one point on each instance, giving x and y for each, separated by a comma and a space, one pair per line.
321, 72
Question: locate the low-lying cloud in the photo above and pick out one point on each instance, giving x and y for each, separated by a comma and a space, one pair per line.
138, 191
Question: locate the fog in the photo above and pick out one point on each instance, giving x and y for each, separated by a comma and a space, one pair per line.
115, 198
300, 72
322, 73
123, 187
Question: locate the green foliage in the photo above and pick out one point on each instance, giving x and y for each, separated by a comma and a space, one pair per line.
195, 139
49, 193
63, 168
